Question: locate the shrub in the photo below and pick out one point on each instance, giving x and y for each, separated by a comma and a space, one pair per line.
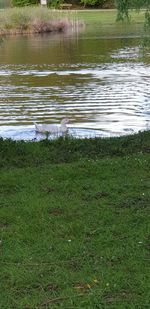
93, 2
54, 3
41, 26
24, 2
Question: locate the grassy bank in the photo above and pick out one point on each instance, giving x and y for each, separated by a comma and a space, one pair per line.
39, 20
25, 154
74, 223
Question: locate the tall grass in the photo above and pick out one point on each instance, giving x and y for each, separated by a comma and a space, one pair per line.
35, 20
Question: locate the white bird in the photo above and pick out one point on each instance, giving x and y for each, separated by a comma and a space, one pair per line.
52, 128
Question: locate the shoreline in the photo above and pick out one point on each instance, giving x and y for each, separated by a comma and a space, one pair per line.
70, 149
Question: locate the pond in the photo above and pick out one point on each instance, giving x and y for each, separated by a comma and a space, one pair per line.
98, 78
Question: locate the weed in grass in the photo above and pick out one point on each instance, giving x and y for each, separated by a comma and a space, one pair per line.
136, 203
55, 211
97, 195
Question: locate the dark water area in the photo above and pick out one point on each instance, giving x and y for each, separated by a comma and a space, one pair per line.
100, 81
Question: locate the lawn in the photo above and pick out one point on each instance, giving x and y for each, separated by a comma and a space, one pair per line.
75, 223
108, 16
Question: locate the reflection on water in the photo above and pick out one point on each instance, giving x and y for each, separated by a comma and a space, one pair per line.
102, 85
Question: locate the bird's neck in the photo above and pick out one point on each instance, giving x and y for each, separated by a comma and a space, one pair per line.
63, 125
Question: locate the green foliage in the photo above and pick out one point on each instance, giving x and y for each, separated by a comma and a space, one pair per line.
138, 4
147, 19
24, 2
93, 2
54, 3
123, 7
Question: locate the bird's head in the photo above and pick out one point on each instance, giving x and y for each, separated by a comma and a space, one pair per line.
65, 121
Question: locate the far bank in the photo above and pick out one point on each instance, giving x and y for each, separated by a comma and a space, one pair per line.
43, 20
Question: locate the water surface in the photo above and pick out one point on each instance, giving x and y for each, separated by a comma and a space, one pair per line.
100, 81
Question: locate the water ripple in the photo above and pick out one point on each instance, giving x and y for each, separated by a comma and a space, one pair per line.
113, 98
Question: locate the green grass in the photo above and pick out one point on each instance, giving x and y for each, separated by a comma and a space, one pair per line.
25, 154
108, 16
104, 23
74, 223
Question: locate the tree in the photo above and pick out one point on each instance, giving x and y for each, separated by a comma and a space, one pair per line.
123, 7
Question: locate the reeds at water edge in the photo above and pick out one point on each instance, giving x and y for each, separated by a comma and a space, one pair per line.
36, 20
